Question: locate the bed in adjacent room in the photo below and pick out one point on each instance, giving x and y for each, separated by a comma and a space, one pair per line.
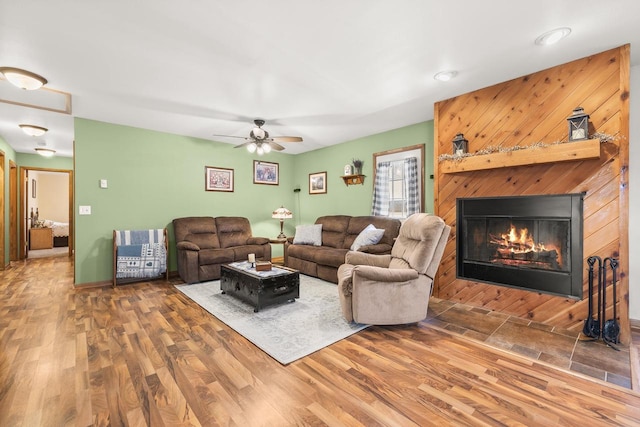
60, 232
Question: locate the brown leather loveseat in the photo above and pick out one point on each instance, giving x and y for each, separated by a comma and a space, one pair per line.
204, 243
338, 234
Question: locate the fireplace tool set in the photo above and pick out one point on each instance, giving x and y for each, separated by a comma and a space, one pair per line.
596, 328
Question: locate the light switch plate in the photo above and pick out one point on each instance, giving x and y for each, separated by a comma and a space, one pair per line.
84, 210
103, 183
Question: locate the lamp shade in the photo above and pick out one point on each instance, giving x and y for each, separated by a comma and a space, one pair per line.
23, 79
282, 213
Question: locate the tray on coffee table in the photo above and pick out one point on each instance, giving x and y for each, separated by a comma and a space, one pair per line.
260, 288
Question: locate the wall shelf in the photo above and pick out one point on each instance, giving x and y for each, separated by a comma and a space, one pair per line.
589, 149
353, 179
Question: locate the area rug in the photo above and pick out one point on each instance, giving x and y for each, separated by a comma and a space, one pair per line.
288, 331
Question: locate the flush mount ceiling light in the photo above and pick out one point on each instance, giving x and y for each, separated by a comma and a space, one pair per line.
22, 78
45, 152
33, 130
445, 76
553, 36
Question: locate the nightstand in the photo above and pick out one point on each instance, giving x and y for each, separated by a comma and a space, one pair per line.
40, 238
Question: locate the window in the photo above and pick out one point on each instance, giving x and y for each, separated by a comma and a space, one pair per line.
398, 182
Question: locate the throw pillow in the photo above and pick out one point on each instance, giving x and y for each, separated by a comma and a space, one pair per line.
369, 236
308, 235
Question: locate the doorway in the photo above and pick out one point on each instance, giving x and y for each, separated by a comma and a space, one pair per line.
46, 212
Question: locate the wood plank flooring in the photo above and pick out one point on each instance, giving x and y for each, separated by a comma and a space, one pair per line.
144, 354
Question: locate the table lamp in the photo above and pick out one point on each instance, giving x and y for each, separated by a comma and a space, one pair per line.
282, 213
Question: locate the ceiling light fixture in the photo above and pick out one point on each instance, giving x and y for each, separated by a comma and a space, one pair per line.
553, 36
445, 76
259, 147
33, 130
22, 78
45, 152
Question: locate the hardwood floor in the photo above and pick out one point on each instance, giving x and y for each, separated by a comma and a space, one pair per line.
144, 354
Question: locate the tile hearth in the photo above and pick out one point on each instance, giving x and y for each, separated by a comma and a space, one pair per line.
556, 346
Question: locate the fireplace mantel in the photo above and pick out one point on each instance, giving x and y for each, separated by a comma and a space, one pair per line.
589, 149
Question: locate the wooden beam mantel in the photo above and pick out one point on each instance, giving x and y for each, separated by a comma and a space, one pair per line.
589, 149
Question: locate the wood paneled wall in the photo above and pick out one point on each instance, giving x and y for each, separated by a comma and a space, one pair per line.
525, 111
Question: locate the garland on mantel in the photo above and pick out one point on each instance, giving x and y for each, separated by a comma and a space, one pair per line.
603, 137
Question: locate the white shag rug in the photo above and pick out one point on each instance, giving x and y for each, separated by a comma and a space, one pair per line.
287, 331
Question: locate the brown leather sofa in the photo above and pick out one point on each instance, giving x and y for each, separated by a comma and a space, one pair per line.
338, 234
203, 244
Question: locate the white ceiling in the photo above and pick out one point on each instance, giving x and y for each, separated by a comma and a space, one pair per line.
328, 71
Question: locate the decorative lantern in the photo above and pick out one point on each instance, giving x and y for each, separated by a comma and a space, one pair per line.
460, 145
578, 125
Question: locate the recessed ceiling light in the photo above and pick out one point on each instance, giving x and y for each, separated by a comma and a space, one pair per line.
22, 78
45, 152
33, 130
445, 76
553, 36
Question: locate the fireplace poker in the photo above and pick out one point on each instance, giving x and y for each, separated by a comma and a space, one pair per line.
592, 326
611, 328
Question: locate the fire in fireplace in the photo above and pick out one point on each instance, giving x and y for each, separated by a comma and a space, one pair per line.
529, 242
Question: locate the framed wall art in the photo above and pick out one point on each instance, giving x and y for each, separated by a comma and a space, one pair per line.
218, 179
318, 183
265, 173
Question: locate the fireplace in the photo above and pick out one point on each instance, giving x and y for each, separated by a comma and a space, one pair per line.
526, 242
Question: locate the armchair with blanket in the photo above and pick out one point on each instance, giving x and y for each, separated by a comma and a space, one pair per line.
394, 288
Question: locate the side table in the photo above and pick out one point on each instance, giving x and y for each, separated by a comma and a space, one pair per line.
278, 260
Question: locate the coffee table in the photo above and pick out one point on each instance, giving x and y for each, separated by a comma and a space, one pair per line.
260, 288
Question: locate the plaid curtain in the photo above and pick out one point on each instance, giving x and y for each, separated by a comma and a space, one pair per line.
381, 190
411, 185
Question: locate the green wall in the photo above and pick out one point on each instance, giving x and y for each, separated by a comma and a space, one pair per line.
9, 154
355, 199
154, 177
37, 161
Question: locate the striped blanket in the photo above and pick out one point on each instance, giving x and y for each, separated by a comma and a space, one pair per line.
140, 253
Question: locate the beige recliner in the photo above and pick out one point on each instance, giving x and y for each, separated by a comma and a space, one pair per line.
394, 289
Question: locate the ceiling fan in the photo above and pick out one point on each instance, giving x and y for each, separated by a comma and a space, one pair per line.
259, 140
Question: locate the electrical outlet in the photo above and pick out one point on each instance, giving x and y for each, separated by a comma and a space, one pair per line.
103, 183
84, 210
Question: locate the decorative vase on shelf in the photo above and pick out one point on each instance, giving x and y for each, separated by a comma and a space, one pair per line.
357, 166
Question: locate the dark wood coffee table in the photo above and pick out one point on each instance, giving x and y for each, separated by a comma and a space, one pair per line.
260, 288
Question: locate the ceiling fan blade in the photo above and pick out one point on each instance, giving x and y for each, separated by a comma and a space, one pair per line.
287, 138
231, 136
276, 146
243, 145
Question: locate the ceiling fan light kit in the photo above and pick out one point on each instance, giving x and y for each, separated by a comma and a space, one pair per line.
260, 142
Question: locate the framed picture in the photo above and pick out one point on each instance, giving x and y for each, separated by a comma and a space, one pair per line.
265, 173
33, 188
218, 179
318, 183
